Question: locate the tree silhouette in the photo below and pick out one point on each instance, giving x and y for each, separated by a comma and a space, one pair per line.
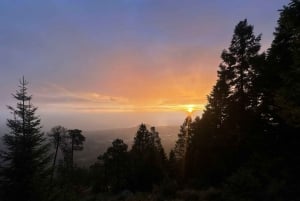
57, 135
240, 62
26, 158
116, 164
162, 158
281, 76
77, 140
182, 146
146, 156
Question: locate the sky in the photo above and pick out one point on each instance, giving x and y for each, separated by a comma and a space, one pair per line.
117, 63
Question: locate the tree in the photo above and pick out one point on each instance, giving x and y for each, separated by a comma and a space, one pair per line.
26, 158
240, 60
116, 164
57, 135
147, 159
222, 138
158, 146
242, 63
216, 111
184, 137
172, 165
142, 140
283, 70
77, 140
182, 146
281, 95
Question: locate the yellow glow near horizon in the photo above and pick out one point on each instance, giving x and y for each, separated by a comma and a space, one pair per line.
190, 108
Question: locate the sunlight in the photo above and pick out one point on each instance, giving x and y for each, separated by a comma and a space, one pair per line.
190, 108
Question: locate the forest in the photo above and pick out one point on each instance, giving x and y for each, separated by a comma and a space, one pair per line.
243, 147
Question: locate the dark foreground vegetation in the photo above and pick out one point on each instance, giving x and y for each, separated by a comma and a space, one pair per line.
244, 147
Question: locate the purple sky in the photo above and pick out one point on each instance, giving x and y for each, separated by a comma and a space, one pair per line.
117, 63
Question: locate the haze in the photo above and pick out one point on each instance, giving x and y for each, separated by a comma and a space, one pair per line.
109, 64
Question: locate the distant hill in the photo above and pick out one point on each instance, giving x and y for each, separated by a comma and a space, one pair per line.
98, 141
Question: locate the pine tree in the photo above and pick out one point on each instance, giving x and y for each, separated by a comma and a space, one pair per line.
26, 157
77, 140
57, 135
158, 146
242, 63
116, 164
216, 111
183, 140
182, 146
219, 138
146, 155
240, 60
282, 74
172, 165
282, 93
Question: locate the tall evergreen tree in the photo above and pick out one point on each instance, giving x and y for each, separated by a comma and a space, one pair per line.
184, 138
142, 140
282, 94
158, 146
182, 146
281, 77
26, 157
77, 140
219, 138
146, 155
216, 111
116, 164
240, 60
57, 135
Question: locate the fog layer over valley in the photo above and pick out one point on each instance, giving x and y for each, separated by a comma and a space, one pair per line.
98, 141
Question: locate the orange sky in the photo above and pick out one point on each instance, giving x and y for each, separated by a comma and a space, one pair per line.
105, 64
133, 83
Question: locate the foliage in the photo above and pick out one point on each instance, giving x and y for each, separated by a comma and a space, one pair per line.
26, 157
147, 159
116, 166
244, 147
57, 136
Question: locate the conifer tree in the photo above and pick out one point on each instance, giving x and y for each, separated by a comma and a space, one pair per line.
77, 140
57, 135
240, 63
281, 76
240, 60
26, 157
182, 146
116, 164
223, 131
183, 140
158, 146
216, 111
146, 155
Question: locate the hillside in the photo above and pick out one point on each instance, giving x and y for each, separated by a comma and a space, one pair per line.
98, 141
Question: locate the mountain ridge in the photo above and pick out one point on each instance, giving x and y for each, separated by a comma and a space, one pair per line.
98, 141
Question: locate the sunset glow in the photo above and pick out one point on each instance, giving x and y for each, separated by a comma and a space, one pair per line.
190, 108
106, 60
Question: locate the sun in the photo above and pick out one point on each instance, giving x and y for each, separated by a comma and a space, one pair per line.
190, 108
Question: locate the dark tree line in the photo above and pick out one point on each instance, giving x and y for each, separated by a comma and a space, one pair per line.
244, 147
138, 169
24, 162
25, 171
247, 141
